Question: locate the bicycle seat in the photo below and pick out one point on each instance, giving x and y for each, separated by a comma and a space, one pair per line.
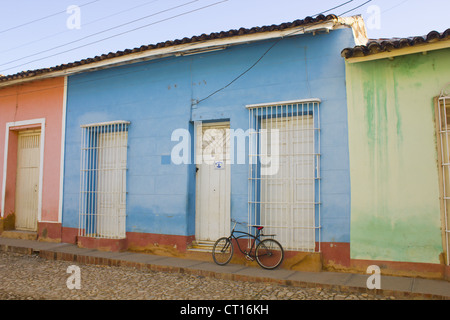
259, 227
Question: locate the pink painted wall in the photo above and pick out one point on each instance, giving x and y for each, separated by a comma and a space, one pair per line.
34, 100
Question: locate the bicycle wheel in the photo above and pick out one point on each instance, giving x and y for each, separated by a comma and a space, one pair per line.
222, 251
269, 254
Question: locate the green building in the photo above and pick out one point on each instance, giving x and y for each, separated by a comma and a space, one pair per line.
398, 113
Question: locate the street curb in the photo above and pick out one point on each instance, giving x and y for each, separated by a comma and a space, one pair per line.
133, 262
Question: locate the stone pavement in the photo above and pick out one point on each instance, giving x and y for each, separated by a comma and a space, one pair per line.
394, 287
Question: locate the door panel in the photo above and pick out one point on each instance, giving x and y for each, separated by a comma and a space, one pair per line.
213, 182
27, 180
287, 197
111, 184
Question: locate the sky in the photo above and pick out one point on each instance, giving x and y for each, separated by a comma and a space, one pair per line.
46, 33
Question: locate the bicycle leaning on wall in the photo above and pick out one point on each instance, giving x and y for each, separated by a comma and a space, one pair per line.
268, 252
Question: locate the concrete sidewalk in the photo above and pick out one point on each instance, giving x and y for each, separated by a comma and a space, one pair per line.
399, 287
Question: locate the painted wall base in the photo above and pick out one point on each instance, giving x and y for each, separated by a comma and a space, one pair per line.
49, 231
403, 269
7, 222
333, 256
158, 243
112, 245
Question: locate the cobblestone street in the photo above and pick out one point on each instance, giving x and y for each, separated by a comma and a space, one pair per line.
29, 277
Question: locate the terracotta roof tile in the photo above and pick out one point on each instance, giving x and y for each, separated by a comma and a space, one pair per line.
375, 46
203, 37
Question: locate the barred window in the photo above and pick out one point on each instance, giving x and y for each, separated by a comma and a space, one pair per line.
284, 175
103, 180
443, 127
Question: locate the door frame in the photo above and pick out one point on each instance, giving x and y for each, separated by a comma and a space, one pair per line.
209, 124
20, 126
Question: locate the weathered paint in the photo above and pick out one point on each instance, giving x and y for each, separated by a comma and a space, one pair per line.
35, 100
156, 97
395, 208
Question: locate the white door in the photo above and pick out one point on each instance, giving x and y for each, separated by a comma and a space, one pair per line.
212, 182
27, 180
111, 184
287, 196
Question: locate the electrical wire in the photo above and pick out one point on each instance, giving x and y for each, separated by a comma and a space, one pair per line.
397, 5
355, 7
221, 89
94, 34
341, 5
84, 24
119, 34
268, 50
43, 18
243, 73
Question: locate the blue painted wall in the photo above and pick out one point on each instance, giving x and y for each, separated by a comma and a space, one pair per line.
156, 97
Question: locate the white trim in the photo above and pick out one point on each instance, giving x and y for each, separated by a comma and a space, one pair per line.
301, 101
104, 123
41, 170
5, 161
63, 142
10, 125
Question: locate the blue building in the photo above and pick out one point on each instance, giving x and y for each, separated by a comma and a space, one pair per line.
166, 143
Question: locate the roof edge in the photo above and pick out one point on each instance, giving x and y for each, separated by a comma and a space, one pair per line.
168, 48
388, 48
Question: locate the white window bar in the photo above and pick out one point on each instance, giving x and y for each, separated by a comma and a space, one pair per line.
102, 211
284, 172
444, 134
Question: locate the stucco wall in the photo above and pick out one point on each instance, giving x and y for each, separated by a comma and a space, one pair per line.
156, 97
35, 100
395, 208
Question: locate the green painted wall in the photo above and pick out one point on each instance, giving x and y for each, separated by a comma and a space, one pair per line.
395, 208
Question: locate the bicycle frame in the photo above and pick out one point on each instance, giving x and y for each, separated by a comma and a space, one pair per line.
254, 239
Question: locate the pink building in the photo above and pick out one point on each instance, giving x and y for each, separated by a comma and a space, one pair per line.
31, 128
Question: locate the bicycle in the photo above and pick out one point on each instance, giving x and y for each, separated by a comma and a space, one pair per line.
268, 252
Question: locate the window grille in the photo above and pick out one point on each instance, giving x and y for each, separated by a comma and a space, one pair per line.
443, 106
103, 180
284, 173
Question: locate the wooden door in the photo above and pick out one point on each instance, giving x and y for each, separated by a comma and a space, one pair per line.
213, 182
27, 180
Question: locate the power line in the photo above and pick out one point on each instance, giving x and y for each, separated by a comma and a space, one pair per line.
121, 74
397, 5
97, 33
355, 7
122, 33
43, 18
215, 92
267, 51
341, 5
243, 73
84, 24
